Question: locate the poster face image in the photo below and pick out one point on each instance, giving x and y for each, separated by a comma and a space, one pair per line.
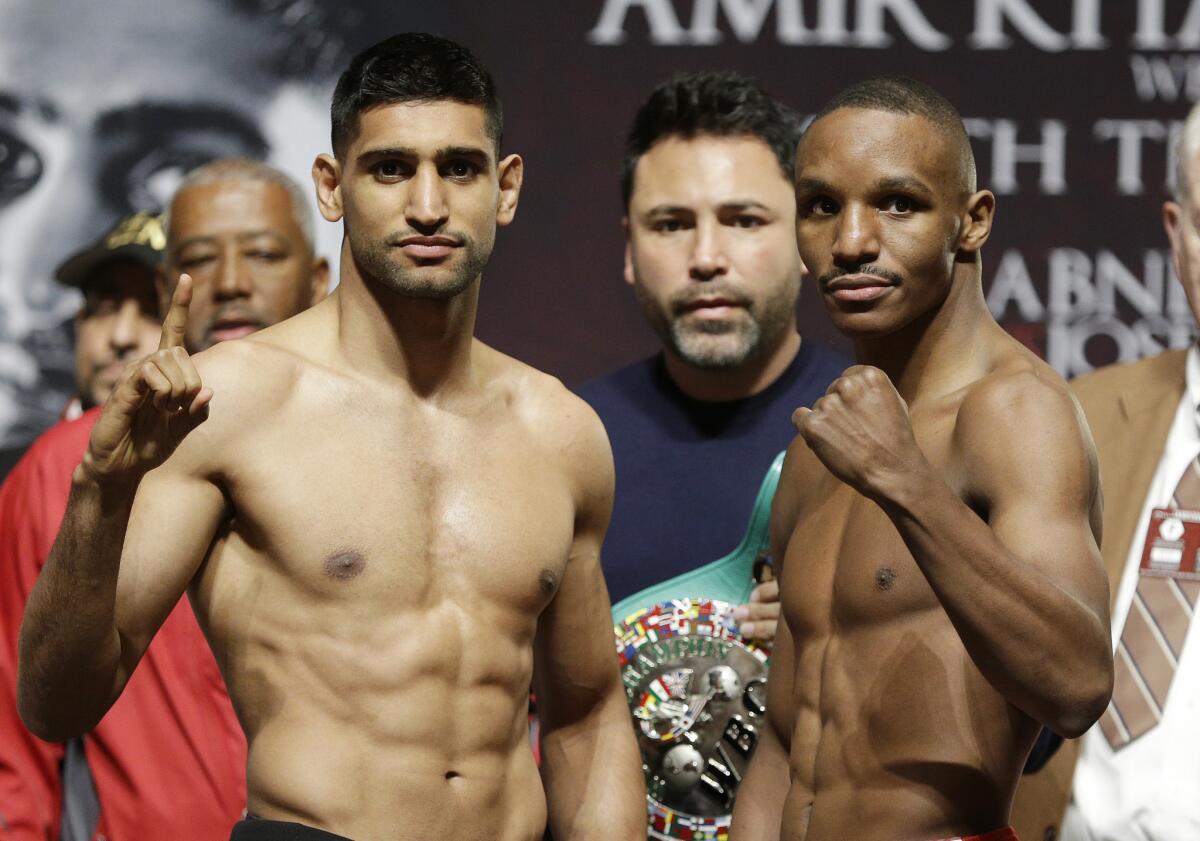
105, 106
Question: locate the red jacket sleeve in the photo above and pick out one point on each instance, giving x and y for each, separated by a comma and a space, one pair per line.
31, 508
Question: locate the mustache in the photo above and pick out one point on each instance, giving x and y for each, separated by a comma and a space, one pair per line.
235, 313
683, 302
837, 271
397, 239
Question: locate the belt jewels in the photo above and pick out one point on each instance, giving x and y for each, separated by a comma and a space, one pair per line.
697, 691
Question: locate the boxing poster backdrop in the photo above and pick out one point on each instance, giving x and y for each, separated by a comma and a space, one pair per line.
1072, 107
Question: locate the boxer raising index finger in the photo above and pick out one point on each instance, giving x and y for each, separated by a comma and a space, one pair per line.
143, 421
388, 530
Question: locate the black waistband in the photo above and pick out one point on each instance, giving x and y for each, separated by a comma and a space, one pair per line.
260, 829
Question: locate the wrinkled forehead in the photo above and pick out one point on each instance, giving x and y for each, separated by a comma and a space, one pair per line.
708, 169
421, 128
233, 208
858, 145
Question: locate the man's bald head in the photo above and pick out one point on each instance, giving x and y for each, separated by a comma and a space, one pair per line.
901, 95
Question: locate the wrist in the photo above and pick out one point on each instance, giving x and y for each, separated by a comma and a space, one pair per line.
88, 476
903, 488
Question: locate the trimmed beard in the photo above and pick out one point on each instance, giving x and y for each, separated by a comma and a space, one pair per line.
374, 259
720, 345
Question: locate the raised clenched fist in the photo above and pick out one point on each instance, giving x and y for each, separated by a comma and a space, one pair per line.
155, 403
861, 431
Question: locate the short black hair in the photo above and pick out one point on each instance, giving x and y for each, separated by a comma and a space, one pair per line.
721, 103
411, 67
902, 95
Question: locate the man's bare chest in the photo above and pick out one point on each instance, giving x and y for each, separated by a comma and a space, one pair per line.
847, 564
375, 512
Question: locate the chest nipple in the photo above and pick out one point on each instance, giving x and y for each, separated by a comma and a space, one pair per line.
885, 577
345, 564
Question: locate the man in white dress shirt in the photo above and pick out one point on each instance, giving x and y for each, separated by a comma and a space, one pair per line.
1136, 773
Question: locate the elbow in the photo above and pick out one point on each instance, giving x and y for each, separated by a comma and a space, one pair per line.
43, 712
47, 727
32, 712
1087, 701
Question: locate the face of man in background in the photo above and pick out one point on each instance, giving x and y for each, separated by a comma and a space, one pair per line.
250, 263
1182, 221
103, 107
711, 251
119, 323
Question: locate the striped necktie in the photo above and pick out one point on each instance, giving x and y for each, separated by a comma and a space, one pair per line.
1152, 639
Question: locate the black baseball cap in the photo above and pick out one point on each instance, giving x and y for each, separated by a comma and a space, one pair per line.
139, 237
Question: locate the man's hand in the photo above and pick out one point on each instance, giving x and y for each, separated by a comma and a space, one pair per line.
155, 403
861, 431
758, 618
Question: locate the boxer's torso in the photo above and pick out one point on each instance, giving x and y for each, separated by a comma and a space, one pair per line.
896, 732
373, 596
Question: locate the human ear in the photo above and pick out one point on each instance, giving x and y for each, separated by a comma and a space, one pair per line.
976, 221
327, 177
512, 175
1173, 224
628, 270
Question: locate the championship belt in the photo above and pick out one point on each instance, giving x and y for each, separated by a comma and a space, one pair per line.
696, 689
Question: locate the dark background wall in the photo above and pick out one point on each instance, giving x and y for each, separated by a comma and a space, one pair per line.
1072, 105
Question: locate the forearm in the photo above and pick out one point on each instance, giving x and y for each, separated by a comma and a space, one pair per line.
758, 812
70, 650
1044, 649
593, 775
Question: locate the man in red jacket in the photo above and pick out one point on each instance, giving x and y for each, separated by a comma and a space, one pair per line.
168, 760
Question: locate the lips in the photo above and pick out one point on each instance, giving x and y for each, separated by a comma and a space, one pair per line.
233, 327
858, 288
428, 248
714, 307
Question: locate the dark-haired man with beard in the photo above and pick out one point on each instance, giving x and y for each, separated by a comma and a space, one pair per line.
387, 528
938, 516
698, 430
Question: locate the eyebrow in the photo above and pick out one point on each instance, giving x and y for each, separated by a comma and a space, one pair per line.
890, 184
904, 184
161, 119
409, 152
812, 185
15, 105
733, 204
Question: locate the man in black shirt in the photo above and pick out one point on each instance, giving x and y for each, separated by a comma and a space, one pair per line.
696, 429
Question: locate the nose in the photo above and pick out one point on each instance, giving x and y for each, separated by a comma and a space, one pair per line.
426, 210
708, 258
125, 333
857, 240
234, 279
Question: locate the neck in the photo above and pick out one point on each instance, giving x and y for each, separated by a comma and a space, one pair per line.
941, 349
424, 341
745, 380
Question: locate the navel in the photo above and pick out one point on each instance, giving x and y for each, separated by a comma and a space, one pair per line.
345, 564
885, 577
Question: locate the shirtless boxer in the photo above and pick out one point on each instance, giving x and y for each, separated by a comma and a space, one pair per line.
942, 589
386, 527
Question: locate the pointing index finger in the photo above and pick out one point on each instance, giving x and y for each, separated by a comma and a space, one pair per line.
175, 324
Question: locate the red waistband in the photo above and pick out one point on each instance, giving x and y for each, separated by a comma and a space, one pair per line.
1005, 834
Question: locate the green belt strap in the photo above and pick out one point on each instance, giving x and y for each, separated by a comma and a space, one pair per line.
730, 578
